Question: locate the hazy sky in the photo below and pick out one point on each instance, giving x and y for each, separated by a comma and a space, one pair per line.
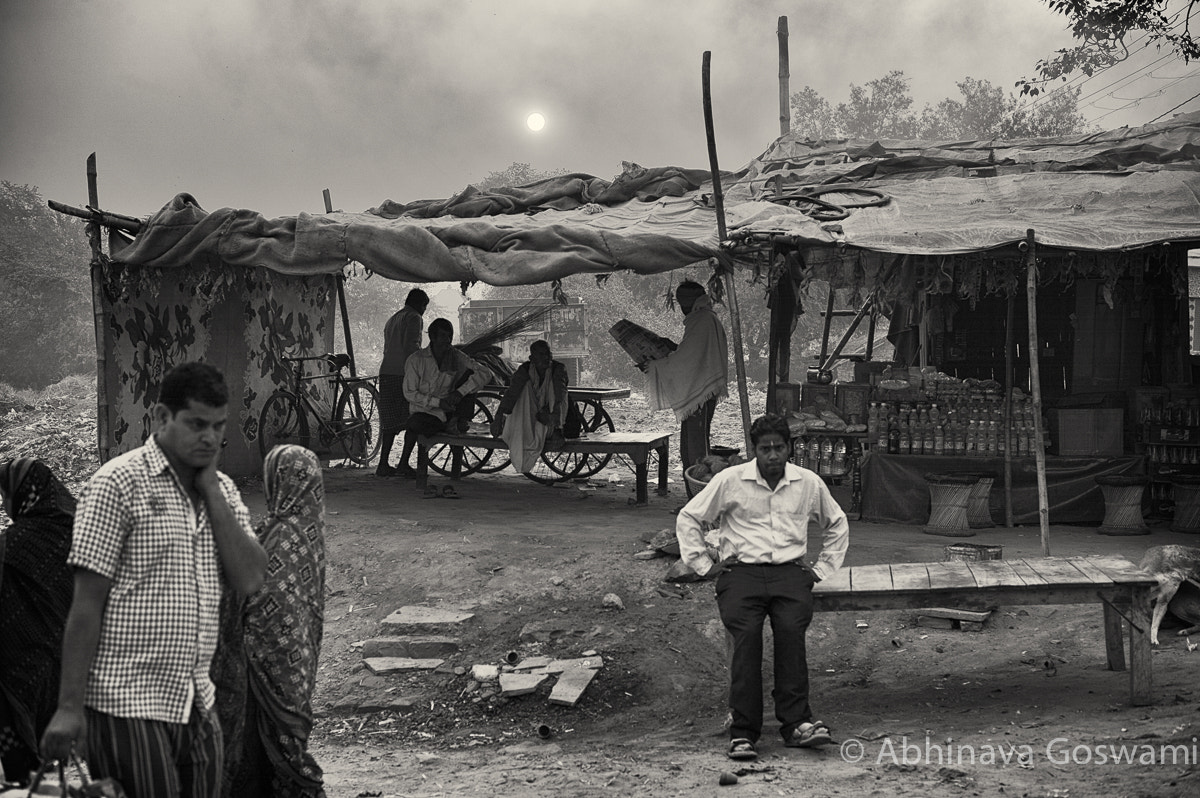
262, 104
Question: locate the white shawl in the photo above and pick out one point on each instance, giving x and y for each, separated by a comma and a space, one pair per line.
695, 372
523, 433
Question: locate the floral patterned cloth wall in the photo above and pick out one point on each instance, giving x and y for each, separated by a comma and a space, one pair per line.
241, 320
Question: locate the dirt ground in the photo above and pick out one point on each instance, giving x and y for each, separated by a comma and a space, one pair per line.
1028, 696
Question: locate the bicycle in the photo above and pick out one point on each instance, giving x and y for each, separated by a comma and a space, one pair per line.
350, 422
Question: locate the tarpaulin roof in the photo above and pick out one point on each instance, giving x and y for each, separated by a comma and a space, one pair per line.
1121, 189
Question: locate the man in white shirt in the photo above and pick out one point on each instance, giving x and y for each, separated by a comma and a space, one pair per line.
764, 508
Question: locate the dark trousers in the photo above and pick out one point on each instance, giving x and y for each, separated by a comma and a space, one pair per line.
746, 596
155, 759
694, 434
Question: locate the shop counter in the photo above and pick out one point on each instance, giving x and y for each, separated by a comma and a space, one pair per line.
894, 488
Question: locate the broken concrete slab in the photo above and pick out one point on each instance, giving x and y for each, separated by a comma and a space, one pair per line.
521, 683
485, 673
564, 665
956, 614
382, 665
416, 646
933, 622
547, 630
532, 662
415, 620
570, 686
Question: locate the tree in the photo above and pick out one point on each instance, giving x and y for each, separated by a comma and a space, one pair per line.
45, 292
1102, 28
516, 174
881, 109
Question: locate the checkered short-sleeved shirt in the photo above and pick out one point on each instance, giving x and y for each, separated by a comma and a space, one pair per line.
136, 526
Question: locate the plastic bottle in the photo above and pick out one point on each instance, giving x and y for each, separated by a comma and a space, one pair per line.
826, 467
814, 454
838, 466
802, 453
893, 442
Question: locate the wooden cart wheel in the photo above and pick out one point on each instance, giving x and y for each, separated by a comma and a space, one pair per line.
595, 420
441, 456
500, 458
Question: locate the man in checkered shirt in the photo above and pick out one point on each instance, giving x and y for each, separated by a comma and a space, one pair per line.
157, 533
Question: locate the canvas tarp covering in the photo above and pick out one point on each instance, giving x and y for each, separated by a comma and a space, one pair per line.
1117, 190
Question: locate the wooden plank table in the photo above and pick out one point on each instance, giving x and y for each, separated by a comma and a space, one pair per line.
1123, 590
636, 445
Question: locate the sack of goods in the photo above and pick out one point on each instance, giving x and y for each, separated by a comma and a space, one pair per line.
640, 343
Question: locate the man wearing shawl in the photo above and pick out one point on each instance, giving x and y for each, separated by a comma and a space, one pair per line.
533, 408
35, 595
265, 668
691, 379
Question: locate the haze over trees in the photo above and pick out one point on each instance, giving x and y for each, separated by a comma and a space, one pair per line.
883, 109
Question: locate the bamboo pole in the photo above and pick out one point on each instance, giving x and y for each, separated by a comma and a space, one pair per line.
341, 294
739, 358
92, 214
1008, 381
1035, 383
785, 109
97, 276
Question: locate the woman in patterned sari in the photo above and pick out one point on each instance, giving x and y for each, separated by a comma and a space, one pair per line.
36, 587
266, 663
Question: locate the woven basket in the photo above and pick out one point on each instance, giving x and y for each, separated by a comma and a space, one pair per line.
692, 484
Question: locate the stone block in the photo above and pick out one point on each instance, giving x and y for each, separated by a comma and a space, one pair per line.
521, 683
416, 646
382, 665
570, 686
417, 620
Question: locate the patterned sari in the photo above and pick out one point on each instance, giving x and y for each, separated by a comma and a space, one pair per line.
36, 586
266, 664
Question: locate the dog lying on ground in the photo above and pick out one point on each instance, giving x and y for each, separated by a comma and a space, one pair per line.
1177, 569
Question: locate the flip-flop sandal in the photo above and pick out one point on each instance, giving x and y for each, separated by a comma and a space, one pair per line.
742, 749
448, 492
812, 735
432, 492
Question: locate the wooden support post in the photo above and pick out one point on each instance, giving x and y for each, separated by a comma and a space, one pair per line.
341, 294
96, 271
1036, 389
785, 108
1009, 342
739, 358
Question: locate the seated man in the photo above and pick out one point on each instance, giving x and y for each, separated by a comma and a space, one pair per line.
438, 383
537, 402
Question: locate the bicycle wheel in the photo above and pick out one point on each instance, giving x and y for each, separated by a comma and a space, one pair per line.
281, 421
441, 456
357, 422
556, 467
499, 458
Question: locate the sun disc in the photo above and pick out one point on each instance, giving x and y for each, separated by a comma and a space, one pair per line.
535, 121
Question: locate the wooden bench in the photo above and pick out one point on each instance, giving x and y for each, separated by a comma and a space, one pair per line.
1117, 583
636, 445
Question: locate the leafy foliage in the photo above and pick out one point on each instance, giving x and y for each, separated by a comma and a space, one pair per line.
516, 174
1102, 28
45, 292
883, 109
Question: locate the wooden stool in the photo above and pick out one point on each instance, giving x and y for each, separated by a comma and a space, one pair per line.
1185, 490
948, 497
979, 511
1122, 504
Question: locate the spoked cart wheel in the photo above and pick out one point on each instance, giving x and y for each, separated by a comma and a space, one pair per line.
282, 421
558, 466
441, 456
499, 459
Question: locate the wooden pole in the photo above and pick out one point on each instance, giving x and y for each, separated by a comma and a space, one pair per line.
785, 108
93, 214
1035, 383
1009, 341
97, 278
739, 358
341, 293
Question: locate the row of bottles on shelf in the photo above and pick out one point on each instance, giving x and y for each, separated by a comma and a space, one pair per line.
1180, 413
826, 455
956, 428
1173, 455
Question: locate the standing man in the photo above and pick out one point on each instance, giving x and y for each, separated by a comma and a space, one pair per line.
763, 508
438, 383
695, 375
157, 533
401, 338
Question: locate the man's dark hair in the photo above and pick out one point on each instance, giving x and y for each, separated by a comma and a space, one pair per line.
417, 299
196, 381
769, 423
441, 324
540, 344
689, 288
